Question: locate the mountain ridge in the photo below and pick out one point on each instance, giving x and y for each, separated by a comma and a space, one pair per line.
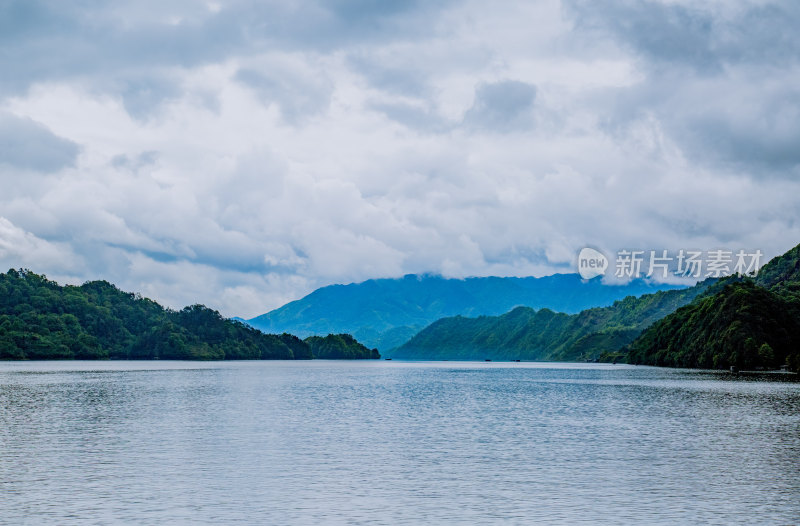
529, 334
741, 321
385, 313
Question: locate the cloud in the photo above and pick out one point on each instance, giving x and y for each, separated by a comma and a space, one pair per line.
705, 37
142, 96
243, 154
299, 92
414, 116
755, 128
122, 45
29, 145
718, 77
672, 33
502, 106
19, 248
382, 73
134, 162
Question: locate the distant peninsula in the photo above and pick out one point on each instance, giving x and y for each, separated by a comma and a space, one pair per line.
42, 320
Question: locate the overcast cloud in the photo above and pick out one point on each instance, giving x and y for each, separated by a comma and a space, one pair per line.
242, 153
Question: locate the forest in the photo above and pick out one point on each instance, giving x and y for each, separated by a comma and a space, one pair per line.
528, 334
42, 320
748, 322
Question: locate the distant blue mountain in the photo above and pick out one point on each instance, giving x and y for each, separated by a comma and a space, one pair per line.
385, 313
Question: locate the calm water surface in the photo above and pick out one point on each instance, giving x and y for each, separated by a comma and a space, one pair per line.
394, 443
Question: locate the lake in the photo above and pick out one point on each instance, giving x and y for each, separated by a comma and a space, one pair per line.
390, 442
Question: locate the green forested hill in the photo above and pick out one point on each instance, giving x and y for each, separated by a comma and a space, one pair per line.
39, 319
528, 334
339, 347
749, 323
743, 325
782, 273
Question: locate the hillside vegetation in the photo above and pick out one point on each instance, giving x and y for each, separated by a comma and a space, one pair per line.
41, 320
750, 323
528, 334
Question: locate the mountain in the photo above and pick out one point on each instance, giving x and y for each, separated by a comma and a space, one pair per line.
749, 323
41, 320
528, 334
385, 313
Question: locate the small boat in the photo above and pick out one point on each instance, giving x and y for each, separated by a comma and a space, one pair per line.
487, 360
388, 359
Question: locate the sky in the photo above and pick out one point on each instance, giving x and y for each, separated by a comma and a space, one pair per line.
242, 153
